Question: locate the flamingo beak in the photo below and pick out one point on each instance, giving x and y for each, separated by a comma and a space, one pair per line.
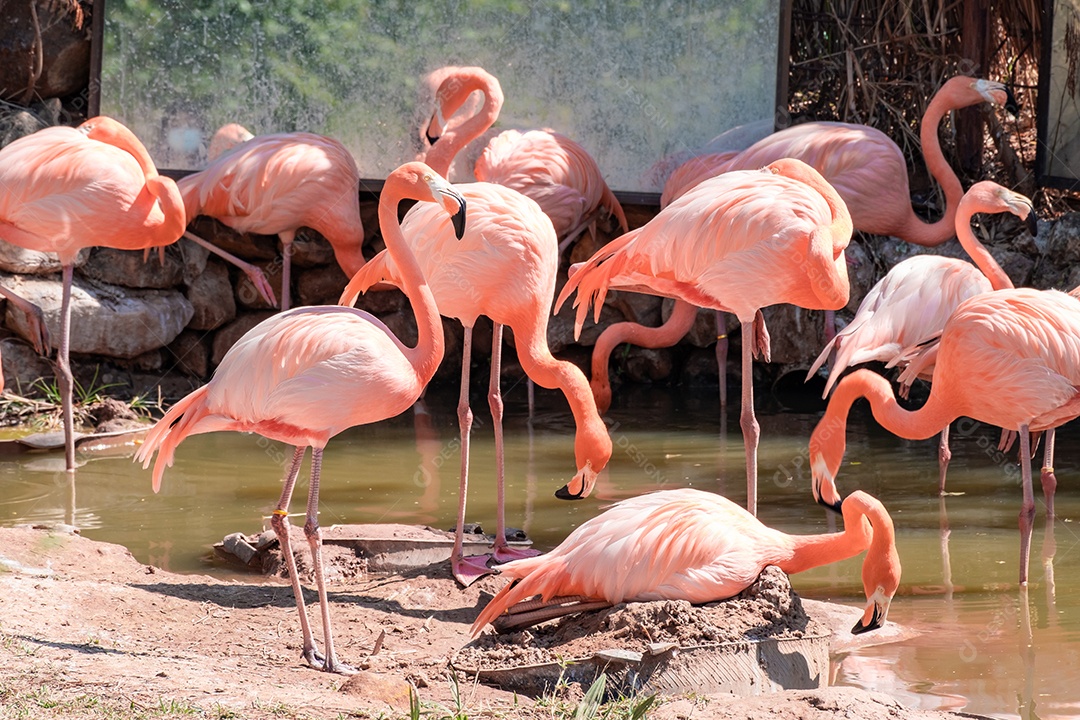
876, 620
1032, 221
1011, 105
432, 139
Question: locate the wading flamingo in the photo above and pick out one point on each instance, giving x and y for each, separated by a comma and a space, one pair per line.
868, 171
737, 242
1009, 358
555, 171
276, 184
504, 268
915, 299
35, 321
303, 376
69, 188
690, 545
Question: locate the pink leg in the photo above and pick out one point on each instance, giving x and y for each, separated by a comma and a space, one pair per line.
286, 268
750, 428
1049, 480
501, 551
255, 274
944, 456
830, 326
314, 537
279, 521
63, 366
721, 355
466, 570
1027, 509
39, 333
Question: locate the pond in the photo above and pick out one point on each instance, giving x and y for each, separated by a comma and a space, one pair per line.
985, 645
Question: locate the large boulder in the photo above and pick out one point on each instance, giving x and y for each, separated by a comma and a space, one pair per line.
211, 296
15, 259
129, 269
105, 320
22, 366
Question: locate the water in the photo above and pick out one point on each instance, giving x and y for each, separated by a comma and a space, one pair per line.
986, 647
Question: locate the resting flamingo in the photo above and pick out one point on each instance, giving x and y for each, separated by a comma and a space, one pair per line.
303, 376
276, 184
504, 268
737, 242
913, 301
555, 171
35, 321
70, 188
867, 169
690, 545
1009, 358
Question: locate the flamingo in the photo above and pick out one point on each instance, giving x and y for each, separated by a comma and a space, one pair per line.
39, 332
69, 188
504, 268
914, 300
555, 171
868, 171
687, 544
303, 376
276, 184
737, 242
1009, 358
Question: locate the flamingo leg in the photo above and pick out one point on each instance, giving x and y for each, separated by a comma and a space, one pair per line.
502, 552
750, 428
1049, 480
721, 355
466, 570
314, 538
63, 366
279, 522
255, 274
830, 326
286, 268
946, 561
944, 456
1027, 509
39, 333
530, 388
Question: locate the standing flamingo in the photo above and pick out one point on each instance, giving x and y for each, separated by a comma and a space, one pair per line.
868, 171
555, 171
303, 376
690, 545
1009, 358
39, 333
737, 242
504, 268
915, 299
276, 184
69, 188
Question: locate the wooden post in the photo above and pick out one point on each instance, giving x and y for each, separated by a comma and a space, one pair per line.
975, 50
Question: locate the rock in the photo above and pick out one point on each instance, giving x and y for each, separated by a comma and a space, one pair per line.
322, 285
190, 353
22, 365
109, 412
249, 297
703, 332
638, 307
105, 320
402, 324
168, 388
796, 334
195, 257
862, 274
1063, 240
648, 365
127, 268
244, 245
561, 327
1017, 265
65, 50
381, 690
227, 336
20, 260
211, 297
310, 249
18, 124
380, 302
147, 361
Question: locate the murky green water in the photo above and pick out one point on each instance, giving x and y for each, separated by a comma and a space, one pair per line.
985, 648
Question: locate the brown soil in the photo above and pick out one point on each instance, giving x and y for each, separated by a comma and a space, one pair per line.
86, 631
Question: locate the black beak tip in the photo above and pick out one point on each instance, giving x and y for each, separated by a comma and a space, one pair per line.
835, 507
876, 621
459, 221
427, 133
1011, 105
1033, 223
564, 493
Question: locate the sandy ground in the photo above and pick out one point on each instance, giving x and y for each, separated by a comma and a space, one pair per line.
86, 631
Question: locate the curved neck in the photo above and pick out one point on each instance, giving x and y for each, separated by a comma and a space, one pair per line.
428, 353
910, 424
867, 525
930, 234
978, 252
442, 153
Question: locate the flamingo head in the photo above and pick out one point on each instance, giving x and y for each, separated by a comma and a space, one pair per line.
446, 195
963, 91
592, 450
827, 445
881, 568
991, 197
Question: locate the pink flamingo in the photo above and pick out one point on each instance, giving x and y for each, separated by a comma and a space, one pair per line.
303, 376
868, 171
737, 242
555, 171
39, 332
1009, 358
915, 299
70, 188
690, 545
276, 184
503, 268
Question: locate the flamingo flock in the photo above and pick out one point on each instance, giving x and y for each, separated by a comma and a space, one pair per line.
737, 233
